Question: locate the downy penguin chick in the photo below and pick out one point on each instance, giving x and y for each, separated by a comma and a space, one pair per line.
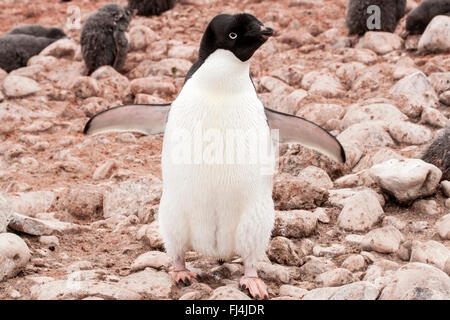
420, 17
438, 154
103, 39
391, 11
39, 31
16, 49
151, 7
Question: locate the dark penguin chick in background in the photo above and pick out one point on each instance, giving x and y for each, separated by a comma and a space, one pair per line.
39, 31
420, 17
438, 154
16, 49
103, 40
391, 11
151, 7
219, 207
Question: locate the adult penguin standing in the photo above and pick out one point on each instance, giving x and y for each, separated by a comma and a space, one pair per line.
217, 205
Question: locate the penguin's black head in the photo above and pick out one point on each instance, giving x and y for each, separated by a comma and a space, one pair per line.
119, 15
241, 34
56, 33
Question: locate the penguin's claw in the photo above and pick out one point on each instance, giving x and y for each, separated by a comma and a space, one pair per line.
184, 277
255, 287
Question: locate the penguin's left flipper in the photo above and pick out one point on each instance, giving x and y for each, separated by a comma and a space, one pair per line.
294, 129
145, 119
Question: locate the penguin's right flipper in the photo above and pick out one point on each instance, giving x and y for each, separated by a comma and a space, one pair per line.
145, 119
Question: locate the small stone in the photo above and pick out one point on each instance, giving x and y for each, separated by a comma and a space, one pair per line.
431, 252
407, 180
354, 263
314, 267
356, 291
37, 227
445, 186
154, 259
320, 294
395, 222
155, 285
383, 240
105, 170
281, 250
427, 207
17, 86
335, 278
14, 255
410, 133
380, 42
360, 212
64, 48
153, 85
354, 239
49, 241
436, 37
445, 98
383, 112
330, 252
273, 272
443, 227
434, 118
140, 37
85, 87
228, 293
292, 291
294, 224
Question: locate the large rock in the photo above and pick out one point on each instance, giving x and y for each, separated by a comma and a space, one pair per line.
430, 252
367, 135
416, 276
38, 227
131, 197
383, 240
436, 37
361, 212
410, 133
380, 42
417, 92
228, 293
5, 213
292, 193
443, 227
356, 291
383, 111
407, 180
150, 283
77, 290
294, 224
17, 86
14, 255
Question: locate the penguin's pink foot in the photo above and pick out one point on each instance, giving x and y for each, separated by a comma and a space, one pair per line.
255, 286
183, 277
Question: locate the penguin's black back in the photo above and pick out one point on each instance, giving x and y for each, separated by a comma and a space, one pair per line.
151, 7
420, 17
39, 31
438, 154
16, 49
357, 16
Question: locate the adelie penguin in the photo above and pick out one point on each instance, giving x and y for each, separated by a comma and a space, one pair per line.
420, 17
151, 7
39, 31
218, 206
103, 39
438, 154
359, 14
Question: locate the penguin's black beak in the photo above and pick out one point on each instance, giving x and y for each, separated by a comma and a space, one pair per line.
267, 32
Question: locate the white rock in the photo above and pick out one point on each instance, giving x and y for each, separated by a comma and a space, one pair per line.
380, 42
273, 272
430, 252
335, 278
321, 113
49, 241
445, 185
333, 251
155, 285
73, 289
427, 207
294, 224
17, 86
292, 291
140, 37
445, 98
410, 133
152, 259
436, 37
395, 222
172, 67
418, 92
131, 197
434, 118
440, 81
85, 87
357, 291
66, 48
152, 85
327, 86
385, 112
290, 103
354, 263
383, 240
150, 235
105, 170
365, 56
366, 135
443, 227
320, 294
354, 239
5, 213
275, 86
407, 180
183, 52
38, 227
14, 255
416, 275
338, 198
228, 293
361, 212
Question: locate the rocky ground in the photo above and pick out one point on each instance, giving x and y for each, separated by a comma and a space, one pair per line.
83, 209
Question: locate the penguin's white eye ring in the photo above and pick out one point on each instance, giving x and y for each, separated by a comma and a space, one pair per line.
233, 36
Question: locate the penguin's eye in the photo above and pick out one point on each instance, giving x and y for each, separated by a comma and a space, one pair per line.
233, 36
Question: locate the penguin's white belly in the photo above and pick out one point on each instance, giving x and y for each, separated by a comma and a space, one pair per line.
217, 179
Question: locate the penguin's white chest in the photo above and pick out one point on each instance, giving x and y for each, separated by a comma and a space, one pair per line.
217, 158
